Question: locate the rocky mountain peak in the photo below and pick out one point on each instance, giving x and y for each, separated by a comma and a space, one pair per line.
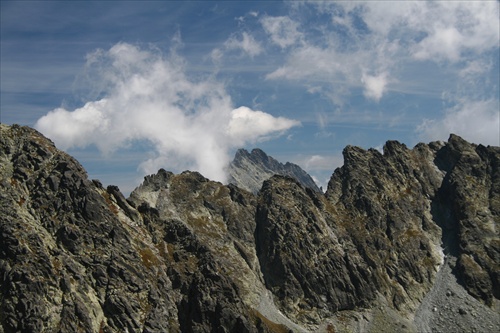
402, 241
250, 170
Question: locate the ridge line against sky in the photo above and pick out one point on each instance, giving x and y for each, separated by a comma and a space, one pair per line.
129, 87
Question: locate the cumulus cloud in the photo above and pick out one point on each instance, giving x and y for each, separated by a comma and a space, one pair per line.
72, 129
374, 85
247, 125
144, 95
475, 121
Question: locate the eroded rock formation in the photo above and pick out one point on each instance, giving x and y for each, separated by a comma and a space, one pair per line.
249, 170
186, 254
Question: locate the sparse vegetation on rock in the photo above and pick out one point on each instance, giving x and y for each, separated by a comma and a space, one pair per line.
186, 254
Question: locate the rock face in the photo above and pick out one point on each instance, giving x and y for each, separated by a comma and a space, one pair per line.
186, 254
249, 171
78, 257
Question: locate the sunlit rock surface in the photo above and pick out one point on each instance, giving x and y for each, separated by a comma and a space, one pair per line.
250, 170
402, 241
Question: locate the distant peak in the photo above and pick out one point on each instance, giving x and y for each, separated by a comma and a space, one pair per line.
258, 151
250, 170
241, 153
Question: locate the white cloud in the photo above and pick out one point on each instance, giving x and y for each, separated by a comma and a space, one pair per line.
434, 30
322, 120
247, 125
242, 19
475, 121
443, 43
73, 128
282, 30
247, 44
311, 62
243, 42
474, 68
216, 55
192, 124
374, 85
369, 44
380, 47
453, 28
333, 72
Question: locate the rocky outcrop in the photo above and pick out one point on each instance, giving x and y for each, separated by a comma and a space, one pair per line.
307, 261
69, 262
384, 201
468, 210
372, 233
78, 257
186, 254
249, 170
379, 229
206, 232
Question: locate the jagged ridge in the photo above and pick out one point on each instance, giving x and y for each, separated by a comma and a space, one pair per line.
187, 254
250, 170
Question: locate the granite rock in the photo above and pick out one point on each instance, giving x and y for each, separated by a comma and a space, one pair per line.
186, 254
249, 170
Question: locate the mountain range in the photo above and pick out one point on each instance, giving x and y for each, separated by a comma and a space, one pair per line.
401, 241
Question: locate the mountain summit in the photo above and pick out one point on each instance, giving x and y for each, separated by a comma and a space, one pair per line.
250, 170
404, 241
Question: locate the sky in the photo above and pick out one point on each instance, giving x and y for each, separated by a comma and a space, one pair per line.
128, 87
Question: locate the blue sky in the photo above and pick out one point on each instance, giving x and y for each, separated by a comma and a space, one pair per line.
129, 87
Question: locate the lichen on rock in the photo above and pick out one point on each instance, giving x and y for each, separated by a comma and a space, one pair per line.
186, 254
